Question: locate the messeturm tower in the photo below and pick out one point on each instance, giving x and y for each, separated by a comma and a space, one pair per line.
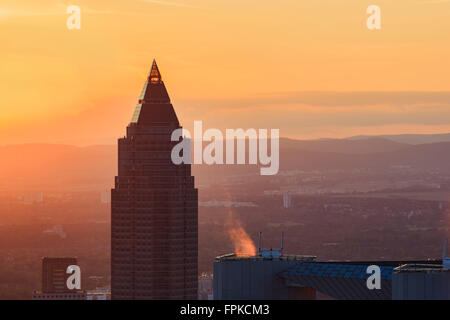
154, 206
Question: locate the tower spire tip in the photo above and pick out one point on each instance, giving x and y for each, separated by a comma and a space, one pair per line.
155, 75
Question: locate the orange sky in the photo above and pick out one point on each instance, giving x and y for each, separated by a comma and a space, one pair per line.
310, 68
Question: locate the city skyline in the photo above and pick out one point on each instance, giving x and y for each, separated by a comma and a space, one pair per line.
147, 145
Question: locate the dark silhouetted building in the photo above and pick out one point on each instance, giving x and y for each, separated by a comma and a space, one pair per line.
296, 277
154, 206
54, 281
421, 282
54, 274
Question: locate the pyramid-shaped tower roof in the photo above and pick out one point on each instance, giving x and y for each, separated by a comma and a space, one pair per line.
154, 105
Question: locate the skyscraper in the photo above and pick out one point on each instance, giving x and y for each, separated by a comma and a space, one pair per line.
154, 206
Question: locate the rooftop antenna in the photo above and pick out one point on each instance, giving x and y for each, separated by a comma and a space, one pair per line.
259, 242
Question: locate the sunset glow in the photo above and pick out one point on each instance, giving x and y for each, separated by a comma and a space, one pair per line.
59, 85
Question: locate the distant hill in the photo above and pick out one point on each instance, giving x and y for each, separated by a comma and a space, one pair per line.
63, 167
409, 138
368, 145
425, 156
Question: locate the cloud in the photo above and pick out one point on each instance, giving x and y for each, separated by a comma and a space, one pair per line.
311, 114
53, 12
61, 10
398, 99
434, 2
7, 13
168, 3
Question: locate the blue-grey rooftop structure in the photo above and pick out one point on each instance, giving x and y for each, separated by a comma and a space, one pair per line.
292, 277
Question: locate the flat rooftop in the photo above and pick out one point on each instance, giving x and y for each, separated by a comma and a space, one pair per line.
284, 257
406, 265
418, 267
